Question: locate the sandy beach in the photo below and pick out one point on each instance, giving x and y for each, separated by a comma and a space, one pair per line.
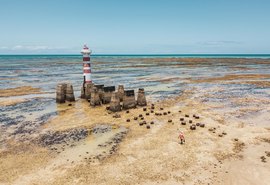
79, 144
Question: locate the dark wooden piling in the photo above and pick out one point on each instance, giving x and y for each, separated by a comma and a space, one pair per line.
94, 97
141, 99
129, 99
61, 93
115, 103
108, 94
70, 93
121, 92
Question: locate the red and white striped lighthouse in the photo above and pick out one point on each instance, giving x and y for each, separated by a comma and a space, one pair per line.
86, 52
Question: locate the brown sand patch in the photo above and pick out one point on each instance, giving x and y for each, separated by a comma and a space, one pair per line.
249, 100
242, 68
8, 78
159, 79
204, 61
20, 160
229, 78
238, 146
12, 102
267, 140
261, 84
19, 91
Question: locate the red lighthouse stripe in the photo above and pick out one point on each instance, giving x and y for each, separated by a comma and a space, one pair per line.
87, 71
86, 58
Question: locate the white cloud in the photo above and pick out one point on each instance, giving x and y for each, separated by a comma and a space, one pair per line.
31, 48
219, 43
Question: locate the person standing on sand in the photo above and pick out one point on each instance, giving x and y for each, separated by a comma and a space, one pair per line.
181, 137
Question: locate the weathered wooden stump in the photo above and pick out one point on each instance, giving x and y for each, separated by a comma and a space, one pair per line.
100, 89
129, 99
141, 99
70, 93
108, 94
121, 92
61, 93
83, 92
115, 103
94, 97
88, 89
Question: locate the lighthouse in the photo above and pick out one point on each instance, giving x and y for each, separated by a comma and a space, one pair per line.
86, 52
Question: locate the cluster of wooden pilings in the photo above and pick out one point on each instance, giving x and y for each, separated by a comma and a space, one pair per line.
118, 99
64, 92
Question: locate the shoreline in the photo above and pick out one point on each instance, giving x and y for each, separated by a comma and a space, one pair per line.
216, 155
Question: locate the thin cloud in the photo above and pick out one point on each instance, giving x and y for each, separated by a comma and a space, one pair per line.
219, 43
37, 49
32, 48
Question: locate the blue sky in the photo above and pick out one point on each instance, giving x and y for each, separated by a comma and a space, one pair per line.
134, 26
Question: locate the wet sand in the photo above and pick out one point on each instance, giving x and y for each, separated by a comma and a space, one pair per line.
19, 91
85, 145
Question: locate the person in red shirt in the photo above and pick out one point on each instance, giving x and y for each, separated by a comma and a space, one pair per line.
181, 137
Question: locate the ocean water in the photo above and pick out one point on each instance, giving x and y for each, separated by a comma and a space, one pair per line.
161, 78
45, 71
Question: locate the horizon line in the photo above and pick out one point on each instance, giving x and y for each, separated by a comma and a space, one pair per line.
150, 54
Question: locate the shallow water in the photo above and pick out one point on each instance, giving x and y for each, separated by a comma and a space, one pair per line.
160, 77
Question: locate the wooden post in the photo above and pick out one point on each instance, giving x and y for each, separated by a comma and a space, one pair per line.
108, 94
88, 87
121, 92
129, 99
94, 97
141, 100
60, 93
70, 93
115, 103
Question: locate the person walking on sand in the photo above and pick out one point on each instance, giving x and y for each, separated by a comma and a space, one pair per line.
181, 137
